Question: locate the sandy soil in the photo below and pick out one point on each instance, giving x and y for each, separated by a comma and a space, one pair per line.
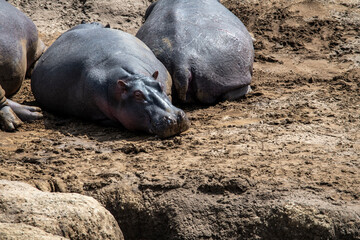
296, 134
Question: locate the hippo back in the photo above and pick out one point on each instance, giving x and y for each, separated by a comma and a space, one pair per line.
202, 40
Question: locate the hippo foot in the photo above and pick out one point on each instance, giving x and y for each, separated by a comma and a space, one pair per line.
25, 113
237, 93
8, 119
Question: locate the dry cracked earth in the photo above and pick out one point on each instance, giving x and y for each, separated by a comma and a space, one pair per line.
282, 163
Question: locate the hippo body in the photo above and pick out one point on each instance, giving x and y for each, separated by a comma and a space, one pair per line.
109, 76
20, 47
207, 49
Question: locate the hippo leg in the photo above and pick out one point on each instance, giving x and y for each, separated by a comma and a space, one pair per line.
39, 50
13, 68
8, 119
237, 93
25, 113
12, 74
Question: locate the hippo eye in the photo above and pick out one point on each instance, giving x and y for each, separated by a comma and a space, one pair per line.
139, 96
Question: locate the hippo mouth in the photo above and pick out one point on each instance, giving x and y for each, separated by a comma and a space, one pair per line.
169, 126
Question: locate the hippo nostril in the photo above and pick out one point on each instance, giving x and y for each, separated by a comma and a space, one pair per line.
181, 116
168, 120
183, 121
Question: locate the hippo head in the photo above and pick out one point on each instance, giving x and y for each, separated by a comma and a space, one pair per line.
140, 104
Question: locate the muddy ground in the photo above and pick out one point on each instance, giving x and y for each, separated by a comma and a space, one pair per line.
282, 163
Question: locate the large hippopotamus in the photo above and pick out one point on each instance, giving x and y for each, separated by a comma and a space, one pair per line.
207, 49
20, 47
108, 76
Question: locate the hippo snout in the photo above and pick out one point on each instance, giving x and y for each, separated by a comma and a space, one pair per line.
170, 125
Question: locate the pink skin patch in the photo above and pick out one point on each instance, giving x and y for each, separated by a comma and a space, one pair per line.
130, 122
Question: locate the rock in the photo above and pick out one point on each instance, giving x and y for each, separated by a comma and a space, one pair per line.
69, 215
20, 231
180, 213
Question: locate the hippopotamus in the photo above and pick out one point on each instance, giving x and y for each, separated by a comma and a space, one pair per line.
20, 47
207, 49
108, 76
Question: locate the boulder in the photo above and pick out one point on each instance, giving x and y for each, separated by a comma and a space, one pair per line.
69, 215
20, 231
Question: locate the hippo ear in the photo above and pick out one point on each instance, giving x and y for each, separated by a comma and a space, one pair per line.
155, 75
122, 87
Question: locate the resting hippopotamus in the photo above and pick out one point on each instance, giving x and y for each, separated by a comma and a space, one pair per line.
108, 76
207, 49
20, 47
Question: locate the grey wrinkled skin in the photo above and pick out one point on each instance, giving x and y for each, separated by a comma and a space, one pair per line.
207, 49
20, 47
109, 76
